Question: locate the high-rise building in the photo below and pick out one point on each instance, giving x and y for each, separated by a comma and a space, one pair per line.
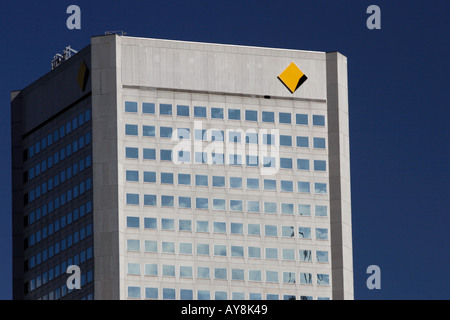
182, 170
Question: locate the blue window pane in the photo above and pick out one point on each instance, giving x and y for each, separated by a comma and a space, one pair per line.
133, 222
218, 204
236, 205
201, 203
168, 294
151, 293
166, 155
148, 131
165, 109
199, 112
304, 233
304, 210
186, 294
184, 202
149, 200
286, 163
301, 118
183, 111
150, 223
201, 180
132, 198
184, 179
319, 143
148, 108
131, 153
302, 142
268, 116
285, 117
134, 292
287, 186
218, 181
130, 106
149, 176
165, 132
132, 175
304, 187
234, 114
321, 234
131, 129
321, 211
302, 164
318, 120
217, 113
252, 161
149, 154
251, 138
251, 115
167, 201
320, 188
285, 140
270, 184
320, 165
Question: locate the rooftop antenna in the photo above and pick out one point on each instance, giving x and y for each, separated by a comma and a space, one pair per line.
60, 58
119, 33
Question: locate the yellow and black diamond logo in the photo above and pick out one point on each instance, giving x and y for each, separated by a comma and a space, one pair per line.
292, 77
83, 75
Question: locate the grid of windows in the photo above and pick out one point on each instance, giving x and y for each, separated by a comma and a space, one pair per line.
298, 237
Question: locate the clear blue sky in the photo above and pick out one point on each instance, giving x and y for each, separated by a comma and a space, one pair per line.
398, 96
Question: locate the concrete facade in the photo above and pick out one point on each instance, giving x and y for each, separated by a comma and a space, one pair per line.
156, 237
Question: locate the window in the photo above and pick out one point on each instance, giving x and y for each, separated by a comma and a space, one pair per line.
287, 231
321, 211
217, 135
168, 224
285, 163
268, 139
237, 274
185, 248
151, 293
183, 111
320, 165
218, 181
184, 179
133, 222
217, 113
252, 184
321, 234
304, 209
131, 153
322, 256
253, 206
168, 270
305, 278
167, 201
304, 232
269, 162
148, 108
133, 245
285, 140
251, 115
220, 273
149, 176
234, 114
199, 112
149, 154
131, 129
303, 142
254, 252
303, 187
270, 207
131, 106
149, 200
236, 205
201, 157
201, 203
201, 180
220, 227
185, 225
271, 276
184, 202
270, 231
202, 226
134, 292
184, 133
305, 255
319, 143
150, 223
132, 198
203, 249
254, 275
268, 116
251, 138
186, 272
288, 254
165, 109
166, 155
285, 117
301, 119
237, 251
323, 279
287, 186
203, 295
132, 175
200, 135
318, 120
220, 250
237, 228
218, 204
234, 136
287, 208
254, 229
302, 164
270, 184
320, 188
166, 178
168, 294
165, 132
134, 268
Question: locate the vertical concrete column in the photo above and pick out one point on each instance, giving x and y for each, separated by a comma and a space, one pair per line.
339, 168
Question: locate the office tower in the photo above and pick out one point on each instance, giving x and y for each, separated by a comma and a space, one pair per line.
182, 170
